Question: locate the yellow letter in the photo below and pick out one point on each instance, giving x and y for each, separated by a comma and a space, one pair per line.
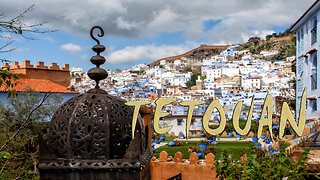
286, 115
206, 118
235, 118
136, 105
157, 114
191, 105
268, 106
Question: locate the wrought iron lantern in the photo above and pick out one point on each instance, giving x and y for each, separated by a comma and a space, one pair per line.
90, 135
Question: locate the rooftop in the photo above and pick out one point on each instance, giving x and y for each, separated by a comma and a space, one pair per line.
38, 85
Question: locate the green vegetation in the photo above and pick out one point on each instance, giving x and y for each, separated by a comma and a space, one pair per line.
255, 40
172, 150
260, 165
235, 148
287, 32
242, 124
193, 79
286, 48
20, 123
169, 139
8, 80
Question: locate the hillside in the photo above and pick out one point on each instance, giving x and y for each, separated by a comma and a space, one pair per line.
198, 53
285, 45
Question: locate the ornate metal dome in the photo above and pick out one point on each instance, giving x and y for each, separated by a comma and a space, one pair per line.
94, 125
94, 130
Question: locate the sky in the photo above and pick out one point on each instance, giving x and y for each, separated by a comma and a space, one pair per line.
141, 31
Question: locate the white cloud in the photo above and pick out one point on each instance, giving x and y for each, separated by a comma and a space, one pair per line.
70, 47
143, 17
151, 52
124, 24
20, 50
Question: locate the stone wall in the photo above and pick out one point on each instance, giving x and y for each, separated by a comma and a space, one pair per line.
53, 72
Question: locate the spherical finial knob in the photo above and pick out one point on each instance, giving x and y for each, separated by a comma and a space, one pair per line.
97, 74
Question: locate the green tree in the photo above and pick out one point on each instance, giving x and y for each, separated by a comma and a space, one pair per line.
21, 120
268, 37
189, 84
255, 40
193, 79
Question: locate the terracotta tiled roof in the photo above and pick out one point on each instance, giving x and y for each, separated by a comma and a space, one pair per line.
313, 97
254, 78
185, 115
38, 85
311, 51
173, 86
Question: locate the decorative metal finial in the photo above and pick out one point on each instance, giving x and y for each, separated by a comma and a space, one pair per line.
97, 73
100, 35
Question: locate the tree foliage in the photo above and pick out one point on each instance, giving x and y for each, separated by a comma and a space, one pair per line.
21, 120
260, 165
193, 79
255, 40
8, 80
287, 32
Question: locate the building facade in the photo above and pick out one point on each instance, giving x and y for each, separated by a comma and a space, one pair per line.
307, 53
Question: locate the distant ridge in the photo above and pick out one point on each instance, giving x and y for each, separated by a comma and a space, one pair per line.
284, 38
218, 47
172, 58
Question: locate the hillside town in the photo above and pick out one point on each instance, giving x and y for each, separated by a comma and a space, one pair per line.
241, 110
224, 73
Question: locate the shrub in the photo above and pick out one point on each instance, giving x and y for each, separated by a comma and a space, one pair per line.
193, 149
210, 149
260, 165
178, 143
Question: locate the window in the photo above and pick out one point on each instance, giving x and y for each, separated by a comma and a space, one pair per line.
301, 39
313, 105
313, 76
313, 81
298, 41
314, 30
179, 122
307, 105
298, 104
299, 85
300, 65
192, 122
306, 59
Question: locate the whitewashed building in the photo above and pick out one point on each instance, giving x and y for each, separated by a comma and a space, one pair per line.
251, 83
213, 74
308, 70
178, 123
